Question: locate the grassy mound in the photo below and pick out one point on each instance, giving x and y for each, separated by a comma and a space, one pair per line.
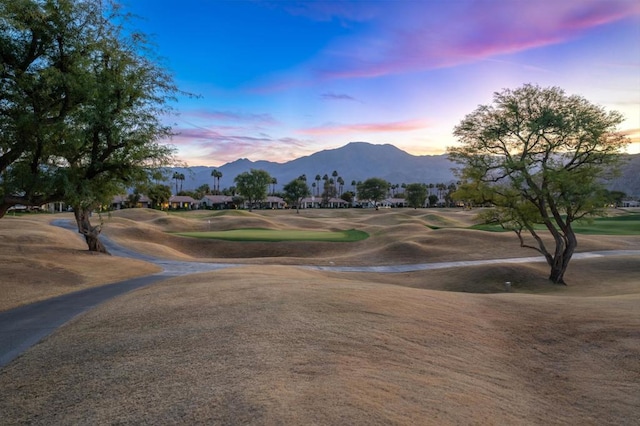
252, 234
267, 344
279, 345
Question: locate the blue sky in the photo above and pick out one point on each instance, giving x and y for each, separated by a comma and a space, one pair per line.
278, 80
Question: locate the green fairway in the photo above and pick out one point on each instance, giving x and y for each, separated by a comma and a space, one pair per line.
254, 234
617, 225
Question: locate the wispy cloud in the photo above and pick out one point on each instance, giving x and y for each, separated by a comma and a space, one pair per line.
216, 146
398, 126
337, 97
234, 116
431, 35
632, 134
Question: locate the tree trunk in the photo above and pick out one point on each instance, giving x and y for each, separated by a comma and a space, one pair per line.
561, 260
90, 232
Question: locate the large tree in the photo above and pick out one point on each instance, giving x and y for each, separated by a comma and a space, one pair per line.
416, 194
253, 185
45, 52
374, 189
86, 108
112, 142
538, 155
295, 191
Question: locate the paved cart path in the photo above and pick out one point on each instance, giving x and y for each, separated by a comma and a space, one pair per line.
23, 327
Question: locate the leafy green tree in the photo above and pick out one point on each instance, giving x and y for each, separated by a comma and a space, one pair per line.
433, 200
82, 101
374, 189
416, 194
201, 191
538, 155
158, 194
134, 198
253, 185
45, 55
615, 197
347, 196
295, 191
113, 141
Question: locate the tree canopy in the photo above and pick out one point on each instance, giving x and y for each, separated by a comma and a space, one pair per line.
253, 185
88, 102
374, 189
416, 194
295, 191
538, 155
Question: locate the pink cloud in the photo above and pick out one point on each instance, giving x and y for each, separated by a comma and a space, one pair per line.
202, 146
430, 35
632, 134
399, 126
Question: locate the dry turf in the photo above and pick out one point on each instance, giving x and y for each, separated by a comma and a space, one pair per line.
271, 343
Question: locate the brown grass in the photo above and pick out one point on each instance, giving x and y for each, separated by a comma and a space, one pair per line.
39, 261
266, 344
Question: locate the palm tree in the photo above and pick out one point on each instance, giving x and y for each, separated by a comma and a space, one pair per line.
176, 178
181, 178
341, 185
318, 179
274, 182
216, 178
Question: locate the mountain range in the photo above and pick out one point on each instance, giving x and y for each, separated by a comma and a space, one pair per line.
358, 161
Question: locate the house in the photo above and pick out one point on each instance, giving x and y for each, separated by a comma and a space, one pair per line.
630, 203
395, 202
273, 203
217, 202
310, 203
122, 202
337, 203
317, 202
183, 202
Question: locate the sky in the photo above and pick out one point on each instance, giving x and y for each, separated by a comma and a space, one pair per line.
278, 80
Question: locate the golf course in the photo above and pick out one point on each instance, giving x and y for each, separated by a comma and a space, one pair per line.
284, 336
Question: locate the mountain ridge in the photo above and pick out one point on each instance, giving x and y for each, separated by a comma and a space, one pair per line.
358, 161
355, 161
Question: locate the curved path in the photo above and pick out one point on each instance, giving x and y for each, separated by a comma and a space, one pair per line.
23, 327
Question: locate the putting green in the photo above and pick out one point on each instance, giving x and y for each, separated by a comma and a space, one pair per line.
254, 234
616, 225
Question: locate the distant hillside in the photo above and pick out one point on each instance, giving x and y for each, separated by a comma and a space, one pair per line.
629, 179
361, 160
355, 161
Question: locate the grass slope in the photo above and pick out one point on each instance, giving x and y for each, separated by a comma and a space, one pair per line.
264, 344
249, 234
278, 345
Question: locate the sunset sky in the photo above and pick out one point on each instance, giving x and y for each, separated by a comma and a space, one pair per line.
278, 80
